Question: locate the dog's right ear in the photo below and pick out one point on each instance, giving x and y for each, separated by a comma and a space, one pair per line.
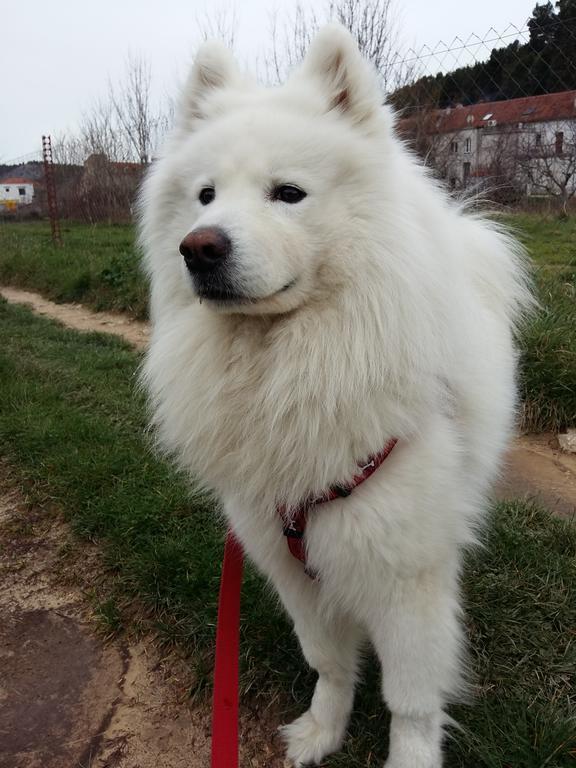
347, 82
214, 68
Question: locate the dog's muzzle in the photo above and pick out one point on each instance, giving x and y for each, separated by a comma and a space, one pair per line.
207, 256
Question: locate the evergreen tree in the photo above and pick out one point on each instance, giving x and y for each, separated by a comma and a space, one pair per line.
546, 63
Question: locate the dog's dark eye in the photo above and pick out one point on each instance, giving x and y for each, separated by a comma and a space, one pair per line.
288, 193
207, 194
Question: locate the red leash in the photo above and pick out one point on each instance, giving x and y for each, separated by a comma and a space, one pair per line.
225, 697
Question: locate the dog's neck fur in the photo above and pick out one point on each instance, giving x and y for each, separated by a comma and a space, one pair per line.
314, 387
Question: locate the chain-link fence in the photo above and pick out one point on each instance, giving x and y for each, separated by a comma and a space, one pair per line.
517, 62
498, 111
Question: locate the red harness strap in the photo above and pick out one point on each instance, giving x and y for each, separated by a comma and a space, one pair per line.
225, 697
295, 519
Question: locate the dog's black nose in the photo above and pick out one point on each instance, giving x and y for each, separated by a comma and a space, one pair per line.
205, 249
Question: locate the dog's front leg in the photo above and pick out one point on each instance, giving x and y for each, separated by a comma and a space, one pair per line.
330, 645
417, 637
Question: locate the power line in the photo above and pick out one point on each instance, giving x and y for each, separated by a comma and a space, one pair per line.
30, 156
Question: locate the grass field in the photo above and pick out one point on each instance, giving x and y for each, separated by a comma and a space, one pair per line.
72, 425
98, 266
548, 342
548, 239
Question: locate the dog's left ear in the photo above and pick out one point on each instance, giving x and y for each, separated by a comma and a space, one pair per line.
349, 82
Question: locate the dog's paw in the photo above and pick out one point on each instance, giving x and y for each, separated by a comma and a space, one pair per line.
308, 741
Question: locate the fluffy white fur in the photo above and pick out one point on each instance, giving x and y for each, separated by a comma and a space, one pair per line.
399, 323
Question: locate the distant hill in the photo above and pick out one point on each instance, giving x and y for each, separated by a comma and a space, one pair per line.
33, 170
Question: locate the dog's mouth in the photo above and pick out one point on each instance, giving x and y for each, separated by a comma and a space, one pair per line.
227, 297
223, 296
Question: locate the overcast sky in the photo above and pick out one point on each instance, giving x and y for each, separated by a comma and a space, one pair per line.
58, 56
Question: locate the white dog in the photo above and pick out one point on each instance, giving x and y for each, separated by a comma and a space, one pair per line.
314, 295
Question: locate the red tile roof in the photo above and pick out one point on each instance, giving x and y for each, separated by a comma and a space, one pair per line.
17, 180
529, 109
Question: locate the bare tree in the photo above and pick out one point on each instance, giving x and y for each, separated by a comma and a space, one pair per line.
497, 164
101, 162
68, 149
221, 24
372, 22
374, 26
100, 134
289, 49
548, 163
122, 127
133, 110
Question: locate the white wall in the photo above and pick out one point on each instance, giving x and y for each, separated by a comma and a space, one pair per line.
516, 144
11, 193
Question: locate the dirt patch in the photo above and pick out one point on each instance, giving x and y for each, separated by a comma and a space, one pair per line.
537, 469
53, 676
68, 697
79, 317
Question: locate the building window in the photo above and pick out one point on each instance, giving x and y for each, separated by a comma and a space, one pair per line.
21, 191
538, 139
468, 146
466, 173
559, 142
453, 147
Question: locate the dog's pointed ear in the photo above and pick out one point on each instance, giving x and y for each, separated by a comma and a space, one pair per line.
214, 68
348, 81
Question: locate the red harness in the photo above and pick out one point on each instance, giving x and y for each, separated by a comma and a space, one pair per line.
225, 696
295, 519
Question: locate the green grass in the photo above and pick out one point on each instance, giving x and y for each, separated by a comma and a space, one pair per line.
97, 265
548, 343
73, 427
548, 354
548, 239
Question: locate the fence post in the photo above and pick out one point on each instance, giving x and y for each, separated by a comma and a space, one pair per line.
51, 190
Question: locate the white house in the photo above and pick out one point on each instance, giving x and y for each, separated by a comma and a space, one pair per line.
15, 190
529, 143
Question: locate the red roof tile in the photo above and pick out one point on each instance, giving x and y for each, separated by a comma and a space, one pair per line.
529, 109
16, 180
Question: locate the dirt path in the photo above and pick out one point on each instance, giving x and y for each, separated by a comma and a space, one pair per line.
537, 469
79, 317
68, 699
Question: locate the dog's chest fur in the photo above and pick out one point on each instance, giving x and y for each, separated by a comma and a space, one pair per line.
268, 409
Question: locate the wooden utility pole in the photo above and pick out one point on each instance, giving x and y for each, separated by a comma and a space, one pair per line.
51, 190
